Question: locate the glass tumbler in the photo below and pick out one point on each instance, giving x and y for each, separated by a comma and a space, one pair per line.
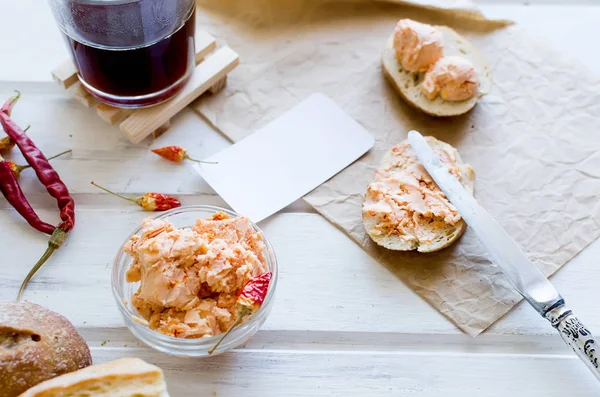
129, 53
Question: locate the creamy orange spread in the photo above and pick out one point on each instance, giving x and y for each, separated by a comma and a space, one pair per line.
403, 197
418, 46
189, 278
453, 78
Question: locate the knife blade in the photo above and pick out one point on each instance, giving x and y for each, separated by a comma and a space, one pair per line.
523, 275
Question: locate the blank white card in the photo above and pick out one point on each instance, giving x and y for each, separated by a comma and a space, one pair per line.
287, 158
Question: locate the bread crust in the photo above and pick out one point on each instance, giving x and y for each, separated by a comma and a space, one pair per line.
446, 234
36, 344
408, 84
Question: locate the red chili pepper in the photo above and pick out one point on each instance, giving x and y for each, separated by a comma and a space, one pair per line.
249, 300
6, 144
14, 195
49, 178
176, 154
149, 201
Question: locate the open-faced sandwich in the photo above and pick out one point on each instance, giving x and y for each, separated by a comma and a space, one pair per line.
434, 68
405, 210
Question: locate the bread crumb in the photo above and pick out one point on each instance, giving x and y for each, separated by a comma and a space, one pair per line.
104, 342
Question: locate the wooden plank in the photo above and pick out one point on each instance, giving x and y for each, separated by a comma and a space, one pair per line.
205, 44
83, 96
275, 373
65, 74
327, 283
111, 114
161, 130
219, 86
141, 124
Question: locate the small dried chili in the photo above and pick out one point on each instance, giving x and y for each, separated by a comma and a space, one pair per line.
176, 154
148, 201
49, 178
249, 300
6, 144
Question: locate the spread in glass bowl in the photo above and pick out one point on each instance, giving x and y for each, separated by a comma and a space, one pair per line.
190, 277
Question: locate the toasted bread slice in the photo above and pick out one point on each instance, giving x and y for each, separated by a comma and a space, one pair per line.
127, 377
443, 232
408, 84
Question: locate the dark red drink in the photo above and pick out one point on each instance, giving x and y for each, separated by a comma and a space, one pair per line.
132, 53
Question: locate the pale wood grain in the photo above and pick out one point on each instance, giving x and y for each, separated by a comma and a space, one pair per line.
83, 96
141, 123
205, 44
218, 86
111, 114
259, 373
65, 74
161, 130
327, 282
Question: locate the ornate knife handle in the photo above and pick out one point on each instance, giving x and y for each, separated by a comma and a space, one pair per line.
576, 335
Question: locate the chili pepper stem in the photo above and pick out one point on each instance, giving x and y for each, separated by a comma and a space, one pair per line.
187, 157
24, 167
115, 194
242, 312
56, 240
60, 154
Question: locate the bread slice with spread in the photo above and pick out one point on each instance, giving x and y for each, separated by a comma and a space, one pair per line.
413, 52
405, 210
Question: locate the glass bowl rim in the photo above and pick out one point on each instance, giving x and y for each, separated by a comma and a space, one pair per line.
271, 260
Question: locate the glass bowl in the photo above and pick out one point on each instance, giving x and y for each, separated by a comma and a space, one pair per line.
123, 291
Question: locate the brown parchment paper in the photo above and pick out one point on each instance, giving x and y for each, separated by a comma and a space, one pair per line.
268, 12
533, 142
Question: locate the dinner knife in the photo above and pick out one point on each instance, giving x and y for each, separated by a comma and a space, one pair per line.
524, 276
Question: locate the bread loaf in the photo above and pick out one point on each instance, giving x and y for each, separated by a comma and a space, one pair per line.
128, 377
36, 344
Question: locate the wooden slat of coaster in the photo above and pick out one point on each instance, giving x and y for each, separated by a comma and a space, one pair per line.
143, 122
219, 86
161, 129
205, 44
111, 114
65, 74
81, 94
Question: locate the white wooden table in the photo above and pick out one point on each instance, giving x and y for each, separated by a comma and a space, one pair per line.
342, 324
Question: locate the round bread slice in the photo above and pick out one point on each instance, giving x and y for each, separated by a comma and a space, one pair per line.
36, 344
127, 377
444, 233
409, 84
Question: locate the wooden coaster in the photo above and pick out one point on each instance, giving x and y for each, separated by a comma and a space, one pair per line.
210, 75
